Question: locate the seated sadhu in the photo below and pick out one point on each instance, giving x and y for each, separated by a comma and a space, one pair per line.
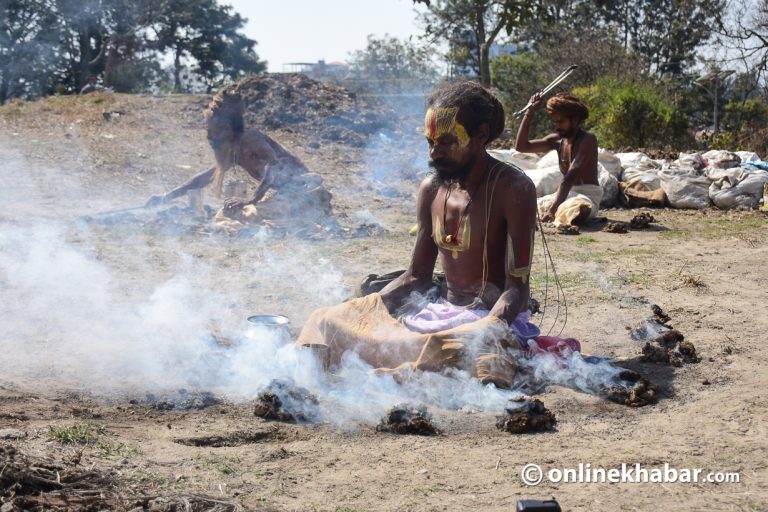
478, 214
579, 194
297, 195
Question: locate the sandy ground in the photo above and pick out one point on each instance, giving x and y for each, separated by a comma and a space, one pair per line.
64, 159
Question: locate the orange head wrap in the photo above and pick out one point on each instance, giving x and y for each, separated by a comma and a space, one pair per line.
567, 105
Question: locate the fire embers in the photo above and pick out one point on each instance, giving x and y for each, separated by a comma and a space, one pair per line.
524, 414
631, 389
178, 400
642, 220
406, 419
663, 344
283, 401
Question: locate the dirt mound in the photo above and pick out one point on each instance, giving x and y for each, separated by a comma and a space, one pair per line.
297, 103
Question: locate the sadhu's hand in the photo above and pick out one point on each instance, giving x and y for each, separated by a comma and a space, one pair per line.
235, 203
535, 101
156, 201
548, 217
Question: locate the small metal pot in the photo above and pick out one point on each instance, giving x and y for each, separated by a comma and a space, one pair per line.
273, 323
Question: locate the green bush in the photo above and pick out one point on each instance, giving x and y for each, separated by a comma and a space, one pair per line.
743, 126
517, 77
632, 114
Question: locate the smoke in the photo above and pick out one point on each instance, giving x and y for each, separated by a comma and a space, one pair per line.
68, 325
119, 313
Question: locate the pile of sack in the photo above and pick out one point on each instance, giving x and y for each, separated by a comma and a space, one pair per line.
724, 179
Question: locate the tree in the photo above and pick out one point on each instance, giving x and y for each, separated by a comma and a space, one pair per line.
744, 34
392, 64
474, 25
130, 64
48, 45
83, 39
666, 33
29, 35
517, 77
206, 32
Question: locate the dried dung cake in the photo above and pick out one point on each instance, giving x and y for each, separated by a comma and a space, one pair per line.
567, 229
616, 227
406, 419
281, 400
641, 221
631, 389
525, 414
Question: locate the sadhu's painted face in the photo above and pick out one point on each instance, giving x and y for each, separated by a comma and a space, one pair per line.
448, 142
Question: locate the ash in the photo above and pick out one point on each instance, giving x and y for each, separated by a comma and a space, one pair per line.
407, 419
281, 400
182, 400
524, 414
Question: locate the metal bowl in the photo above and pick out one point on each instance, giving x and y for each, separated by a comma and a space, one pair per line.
274, 321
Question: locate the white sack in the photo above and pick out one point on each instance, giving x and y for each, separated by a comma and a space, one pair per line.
685, 190
722, 159
548, 160
524, 161
546, 180
610, 162
743, 191
610, 186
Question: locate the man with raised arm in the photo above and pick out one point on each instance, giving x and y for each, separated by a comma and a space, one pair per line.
477, 215
579, 194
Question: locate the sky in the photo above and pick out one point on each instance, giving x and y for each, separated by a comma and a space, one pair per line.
311, 30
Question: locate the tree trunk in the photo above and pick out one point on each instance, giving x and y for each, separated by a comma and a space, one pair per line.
3, 89
177, 70
482, 44
83, 71
485, 66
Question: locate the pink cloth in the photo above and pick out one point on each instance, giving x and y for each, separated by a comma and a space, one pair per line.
439, 316
553, 344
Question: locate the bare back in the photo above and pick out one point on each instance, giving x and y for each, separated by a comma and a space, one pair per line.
258, 150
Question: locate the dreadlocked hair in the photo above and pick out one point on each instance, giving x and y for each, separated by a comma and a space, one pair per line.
567, 105
477, 105
226, 107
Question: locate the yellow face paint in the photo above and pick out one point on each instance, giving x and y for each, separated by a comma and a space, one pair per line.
442, 121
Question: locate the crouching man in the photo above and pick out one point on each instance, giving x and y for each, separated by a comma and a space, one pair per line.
478, 215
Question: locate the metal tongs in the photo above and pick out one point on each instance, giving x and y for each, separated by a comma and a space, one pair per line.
562, 76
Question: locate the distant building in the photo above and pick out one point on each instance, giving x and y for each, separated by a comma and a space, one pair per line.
319, 70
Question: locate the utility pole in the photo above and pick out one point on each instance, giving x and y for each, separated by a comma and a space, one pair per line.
714, 78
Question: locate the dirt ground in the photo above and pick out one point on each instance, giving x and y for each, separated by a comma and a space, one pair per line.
706, 269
